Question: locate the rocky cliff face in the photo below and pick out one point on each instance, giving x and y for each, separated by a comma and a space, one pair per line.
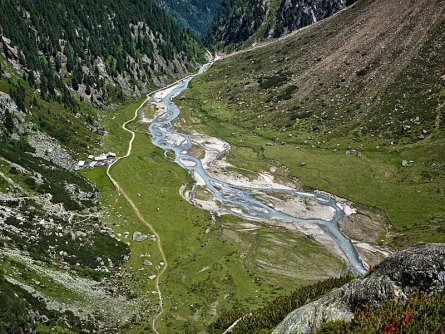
237, 21
254, 20
11, 117
417, 268
296, 14
194, 14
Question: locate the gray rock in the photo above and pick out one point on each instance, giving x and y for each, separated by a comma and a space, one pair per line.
301, 13
49, 149
420, 267
80, 234
8, 104
139, 236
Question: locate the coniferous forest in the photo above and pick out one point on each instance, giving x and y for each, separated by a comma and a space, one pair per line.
94, 43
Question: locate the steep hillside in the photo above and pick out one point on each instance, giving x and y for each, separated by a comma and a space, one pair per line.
195, 14
59, 263
352, 105
237, 21
100, 50
242, 23
62, 268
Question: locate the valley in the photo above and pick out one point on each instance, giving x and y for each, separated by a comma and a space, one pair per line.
273, 166
243, 257
284, 117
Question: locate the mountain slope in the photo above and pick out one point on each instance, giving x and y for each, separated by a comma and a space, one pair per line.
242, 23
100, 50
340, 73
195, 14
352, 105
61, 266
405, 292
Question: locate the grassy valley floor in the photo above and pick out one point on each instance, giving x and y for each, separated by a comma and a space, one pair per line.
211, 269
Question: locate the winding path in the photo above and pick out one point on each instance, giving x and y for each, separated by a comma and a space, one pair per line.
232, 196
135, 208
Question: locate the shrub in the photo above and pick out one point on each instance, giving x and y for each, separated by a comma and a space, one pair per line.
274, 81
419, 314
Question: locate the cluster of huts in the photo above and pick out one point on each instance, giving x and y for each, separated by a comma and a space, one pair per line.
103, 159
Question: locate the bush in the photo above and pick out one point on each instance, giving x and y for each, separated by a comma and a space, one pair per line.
419, 314
31, 182
274, 81
15, 312
287, 94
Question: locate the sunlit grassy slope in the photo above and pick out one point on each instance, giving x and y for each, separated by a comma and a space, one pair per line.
341, 104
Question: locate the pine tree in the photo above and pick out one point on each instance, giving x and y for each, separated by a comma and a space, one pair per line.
31, 79
9, 122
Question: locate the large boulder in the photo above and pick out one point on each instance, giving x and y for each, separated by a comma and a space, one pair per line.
417, 268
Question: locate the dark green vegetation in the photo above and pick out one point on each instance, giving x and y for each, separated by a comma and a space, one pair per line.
20, 312
126, 41
78, 132
420, 314
241, 23
194, 14
339, 127
237, 21
267, 317
52, 180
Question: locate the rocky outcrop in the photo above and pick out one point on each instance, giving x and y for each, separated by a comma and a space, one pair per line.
6, 103
9, 109
417, 268
296, 14
239, 20
11, 52
194, 14
49, 149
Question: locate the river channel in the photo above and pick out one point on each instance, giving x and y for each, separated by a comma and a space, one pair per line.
239, 200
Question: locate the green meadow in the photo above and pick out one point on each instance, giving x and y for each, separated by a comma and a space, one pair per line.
412, 197
211, 269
